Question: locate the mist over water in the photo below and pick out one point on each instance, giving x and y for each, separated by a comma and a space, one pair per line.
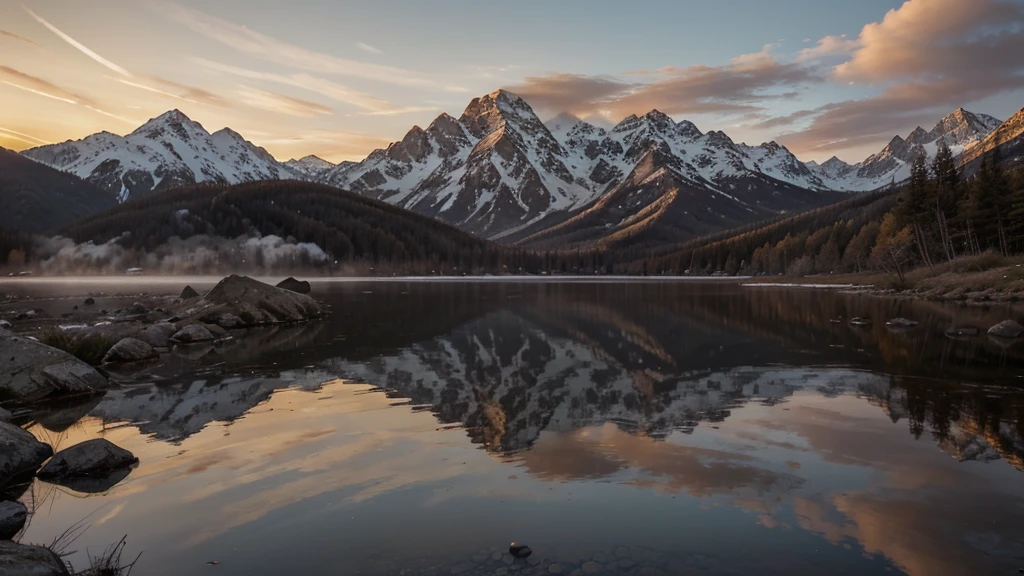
678, 428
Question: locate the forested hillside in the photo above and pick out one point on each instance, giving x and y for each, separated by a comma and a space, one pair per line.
936, 217
350, 230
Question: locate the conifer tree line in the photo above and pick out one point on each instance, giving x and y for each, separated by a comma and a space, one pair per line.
937, 216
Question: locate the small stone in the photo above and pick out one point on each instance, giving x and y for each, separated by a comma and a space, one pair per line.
189, 293
13, 516
297, 286
158, 335
138, 308
622, 552
4, 324
591, 567
1007, 329
601, 557
460, 568
90, 302
556, 569
192, 334
507, 559
533, 560
901, 323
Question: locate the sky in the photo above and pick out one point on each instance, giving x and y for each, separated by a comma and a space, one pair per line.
340, 78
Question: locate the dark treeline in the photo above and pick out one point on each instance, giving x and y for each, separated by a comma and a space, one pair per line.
937, 216
16, 248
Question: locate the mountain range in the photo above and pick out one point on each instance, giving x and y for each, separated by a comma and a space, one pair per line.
501, 173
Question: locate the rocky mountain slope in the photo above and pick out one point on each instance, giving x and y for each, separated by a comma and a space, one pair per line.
37, 198
167, 152
312, 167
1008, 138
498, 171
960, 130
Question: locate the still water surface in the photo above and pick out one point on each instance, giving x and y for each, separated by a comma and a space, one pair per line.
619, 428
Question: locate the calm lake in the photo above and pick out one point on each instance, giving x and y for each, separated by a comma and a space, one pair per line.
638, 428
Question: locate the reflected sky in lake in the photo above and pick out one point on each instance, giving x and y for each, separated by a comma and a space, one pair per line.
643, 428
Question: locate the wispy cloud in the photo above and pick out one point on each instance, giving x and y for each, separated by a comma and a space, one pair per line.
78, 45
829, 46
17, 79
21, 136
38, 86
182, 92
321, 86
281, 104
367, 48
742, 86
17, 37
279, 52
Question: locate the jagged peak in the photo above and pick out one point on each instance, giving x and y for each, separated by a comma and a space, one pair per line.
626, 123
688, 128
173, 117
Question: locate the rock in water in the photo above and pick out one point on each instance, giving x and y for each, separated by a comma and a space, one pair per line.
13, 516
192, 334
130, 350
21, 560
297, 286
189, 293
1007, 329
901, 323
860, 322
4, 324
20, 453
31, 371
90, 301
158, 335
253, 302
519, 551
97, 458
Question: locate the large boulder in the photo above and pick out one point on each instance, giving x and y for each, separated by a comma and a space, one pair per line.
97, 458
254, 302
20, 453
293, 285
130, 350
30, 371
192, 334
1007, 329
13, 516
22, 560
158, 335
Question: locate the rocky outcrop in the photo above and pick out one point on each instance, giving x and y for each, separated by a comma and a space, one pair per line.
13, 516
297, 286
21, 560
254, 302
189, 293
97, 458
1007, 329
20, 453
130, 350
192, 334
30, 371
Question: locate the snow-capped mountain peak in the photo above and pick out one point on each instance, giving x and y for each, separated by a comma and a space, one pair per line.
168, 151
311, 167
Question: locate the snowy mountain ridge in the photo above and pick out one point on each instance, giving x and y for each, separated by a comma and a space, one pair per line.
170, 150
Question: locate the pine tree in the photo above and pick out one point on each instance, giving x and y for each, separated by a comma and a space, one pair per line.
947, 193
990, 204
916, 204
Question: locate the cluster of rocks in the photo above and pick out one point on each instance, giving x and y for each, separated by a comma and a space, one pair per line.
92, 466
39, 372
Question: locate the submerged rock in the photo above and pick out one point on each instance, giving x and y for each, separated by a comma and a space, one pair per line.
519, 551
31, 371
23, 560
97, 458
13, 516
1007, 329
297, 286
189, 293
901, 323
130, 350
254, 302
20, 453
158, 335
89, 301
192, 334
860, 322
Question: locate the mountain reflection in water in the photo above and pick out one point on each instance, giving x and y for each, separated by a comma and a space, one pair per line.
680, 428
